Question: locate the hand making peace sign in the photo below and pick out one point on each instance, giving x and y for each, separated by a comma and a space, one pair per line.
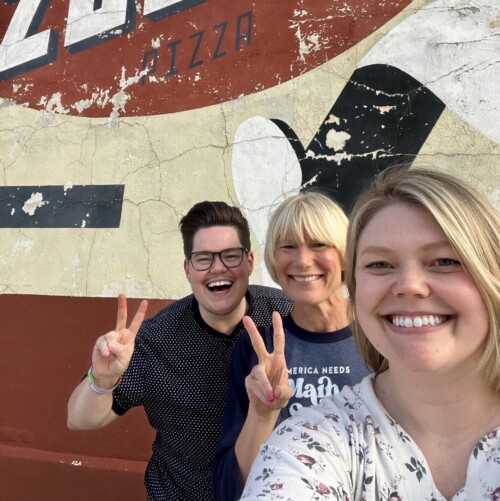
267, 384
113, 351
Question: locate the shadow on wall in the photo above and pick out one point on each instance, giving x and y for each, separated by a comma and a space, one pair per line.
45, 349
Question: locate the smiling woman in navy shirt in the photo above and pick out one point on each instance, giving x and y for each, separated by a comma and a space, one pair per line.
273, 376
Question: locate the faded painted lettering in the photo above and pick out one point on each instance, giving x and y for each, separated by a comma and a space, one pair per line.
23, 49
160, 63
87, 26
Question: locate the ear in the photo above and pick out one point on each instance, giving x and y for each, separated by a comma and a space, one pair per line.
251, 259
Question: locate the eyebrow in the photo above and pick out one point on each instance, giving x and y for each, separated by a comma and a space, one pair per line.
222, 250
381, 249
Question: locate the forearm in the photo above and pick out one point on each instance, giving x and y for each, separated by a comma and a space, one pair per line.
88, 410
256, 430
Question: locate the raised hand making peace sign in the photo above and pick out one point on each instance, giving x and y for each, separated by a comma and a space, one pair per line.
113, 351
267, 384
89, 406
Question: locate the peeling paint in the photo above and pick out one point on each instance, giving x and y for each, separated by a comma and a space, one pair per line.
82, 105
55, 105
33, 203
308, 42
384, 109
340, 157
100, 97
337, 140
332, 119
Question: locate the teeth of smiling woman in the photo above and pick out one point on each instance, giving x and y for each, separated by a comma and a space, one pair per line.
220, 283
306, 279
403, 321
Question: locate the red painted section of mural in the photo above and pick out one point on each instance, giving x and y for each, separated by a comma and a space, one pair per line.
162, 63
45, 345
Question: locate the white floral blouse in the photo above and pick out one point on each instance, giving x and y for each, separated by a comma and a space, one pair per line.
348, 448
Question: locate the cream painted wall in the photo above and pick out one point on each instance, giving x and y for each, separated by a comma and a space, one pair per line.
169, 162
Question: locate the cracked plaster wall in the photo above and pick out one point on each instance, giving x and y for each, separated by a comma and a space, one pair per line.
169, 162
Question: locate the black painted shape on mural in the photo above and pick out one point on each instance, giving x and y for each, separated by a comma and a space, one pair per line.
383, 114
95, 206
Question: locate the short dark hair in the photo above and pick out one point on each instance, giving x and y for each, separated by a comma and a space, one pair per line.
206, 214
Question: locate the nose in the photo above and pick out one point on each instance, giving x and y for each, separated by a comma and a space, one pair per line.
304, 256
411, 280
217, 264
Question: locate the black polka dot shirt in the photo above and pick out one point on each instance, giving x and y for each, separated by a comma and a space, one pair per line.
179, 374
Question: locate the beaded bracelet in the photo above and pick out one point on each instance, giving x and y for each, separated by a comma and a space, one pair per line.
101, 391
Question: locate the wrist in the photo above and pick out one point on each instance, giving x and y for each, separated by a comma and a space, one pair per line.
262, 414
99, 386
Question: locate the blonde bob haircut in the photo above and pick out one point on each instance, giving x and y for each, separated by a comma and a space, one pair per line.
306, 215
472, 227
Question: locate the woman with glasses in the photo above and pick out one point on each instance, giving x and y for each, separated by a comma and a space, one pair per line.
271, 379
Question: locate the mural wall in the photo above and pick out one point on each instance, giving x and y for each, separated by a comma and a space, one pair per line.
117, 115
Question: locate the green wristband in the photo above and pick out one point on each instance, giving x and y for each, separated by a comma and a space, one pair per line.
96, 389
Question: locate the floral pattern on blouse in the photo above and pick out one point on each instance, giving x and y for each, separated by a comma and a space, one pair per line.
349, 449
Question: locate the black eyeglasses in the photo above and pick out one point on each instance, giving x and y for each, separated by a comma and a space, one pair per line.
231, 258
